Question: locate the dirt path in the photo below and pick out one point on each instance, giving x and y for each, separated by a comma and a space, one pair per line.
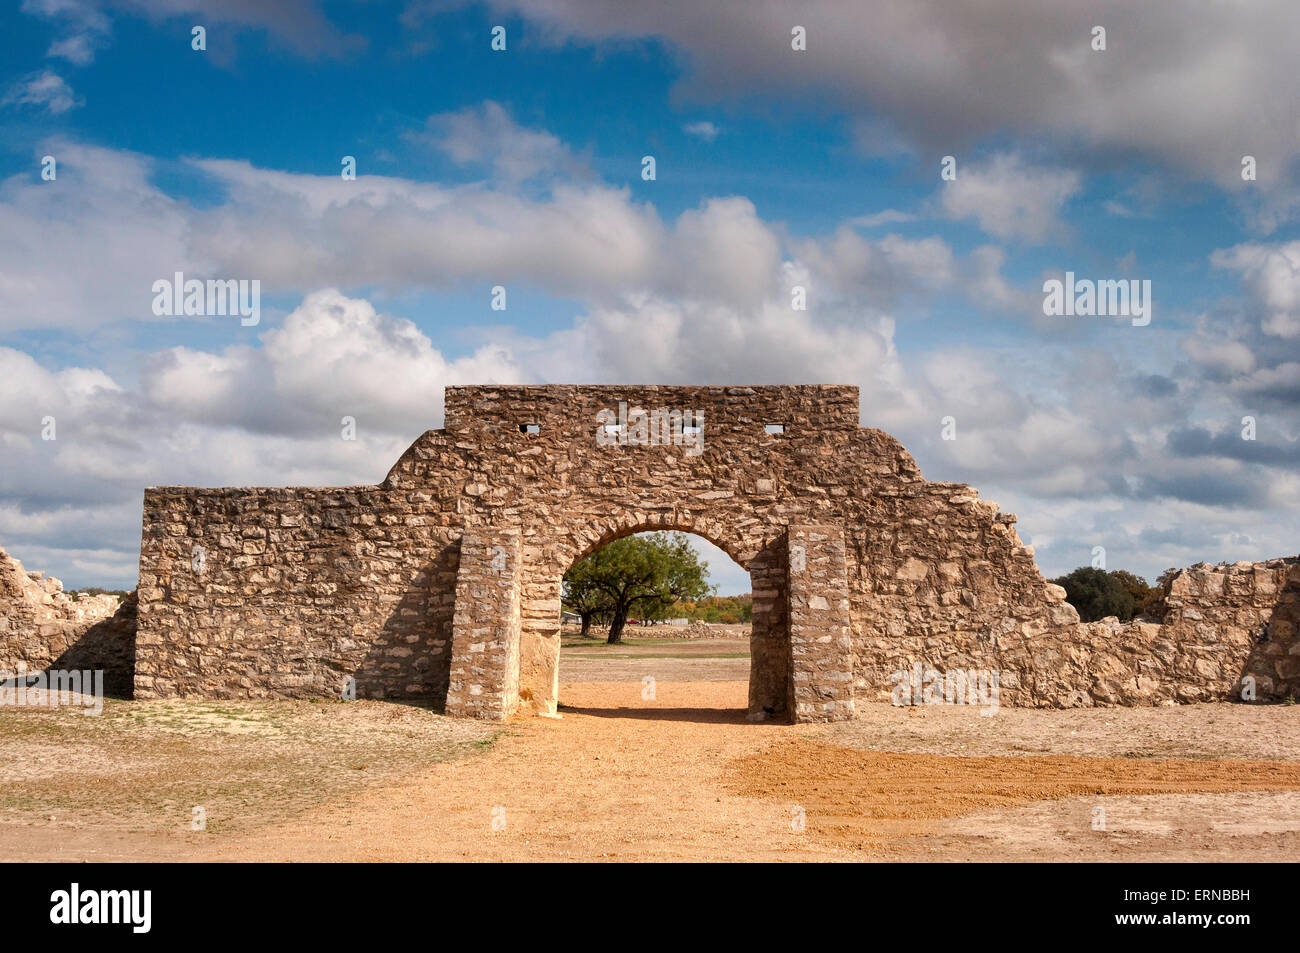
617, 778
680, 777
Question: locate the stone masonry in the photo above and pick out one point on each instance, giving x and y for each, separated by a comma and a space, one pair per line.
400, 586
821, 636
42, 627
485, 628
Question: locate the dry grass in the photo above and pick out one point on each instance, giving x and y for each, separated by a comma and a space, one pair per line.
143, 766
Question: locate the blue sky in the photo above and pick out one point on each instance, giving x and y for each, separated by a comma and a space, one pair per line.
775, 167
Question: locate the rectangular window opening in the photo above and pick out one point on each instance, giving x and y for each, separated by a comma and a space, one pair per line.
530, 428
775, 428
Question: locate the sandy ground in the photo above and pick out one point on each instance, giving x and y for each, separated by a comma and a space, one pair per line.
681, 775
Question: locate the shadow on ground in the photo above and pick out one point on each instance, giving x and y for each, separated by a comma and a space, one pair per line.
704, 716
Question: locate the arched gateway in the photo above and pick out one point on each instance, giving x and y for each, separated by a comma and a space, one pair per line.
444, 580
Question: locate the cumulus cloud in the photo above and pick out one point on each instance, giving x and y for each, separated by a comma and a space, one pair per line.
297, 233
333, 356
1010, 198
989, 289
84, 27
879, 271
888, 217
270, 415
87, 253
488, 135
1271, 273
1045, 425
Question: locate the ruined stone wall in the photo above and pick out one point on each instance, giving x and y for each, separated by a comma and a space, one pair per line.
42, 627
303, 588
1220, 624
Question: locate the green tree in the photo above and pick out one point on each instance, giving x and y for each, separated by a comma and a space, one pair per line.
1096, 593
648, 573
726, 609
1135, 586
583, 595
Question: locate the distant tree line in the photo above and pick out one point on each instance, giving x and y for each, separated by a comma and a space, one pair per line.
722, 609
1098, 593
76, 594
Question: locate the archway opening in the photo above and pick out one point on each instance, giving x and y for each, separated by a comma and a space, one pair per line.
659, 624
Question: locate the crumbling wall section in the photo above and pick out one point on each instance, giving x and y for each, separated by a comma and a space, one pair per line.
43, 627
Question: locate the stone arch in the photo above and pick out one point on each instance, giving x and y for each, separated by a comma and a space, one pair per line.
742, 547
757, 550
443, 581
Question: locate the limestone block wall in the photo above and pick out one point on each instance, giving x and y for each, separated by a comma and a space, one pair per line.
42, 627
290, 592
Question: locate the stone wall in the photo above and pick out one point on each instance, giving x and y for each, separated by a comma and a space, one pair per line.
251, 592
43, 627
292, 592
1219, 625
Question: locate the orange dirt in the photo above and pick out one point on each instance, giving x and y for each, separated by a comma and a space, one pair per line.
855, 798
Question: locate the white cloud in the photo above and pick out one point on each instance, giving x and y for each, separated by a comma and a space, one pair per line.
1271, 273
45, 88
85, 27
1196, 90
488, 135
1010, 198
703, 129
887, 217
85, 251
988, 289
334, 356
297, 24
700, 298
875, 272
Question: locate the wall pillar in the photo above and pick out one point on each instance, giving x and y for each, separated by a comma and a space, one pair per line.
821, 646
484, 680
